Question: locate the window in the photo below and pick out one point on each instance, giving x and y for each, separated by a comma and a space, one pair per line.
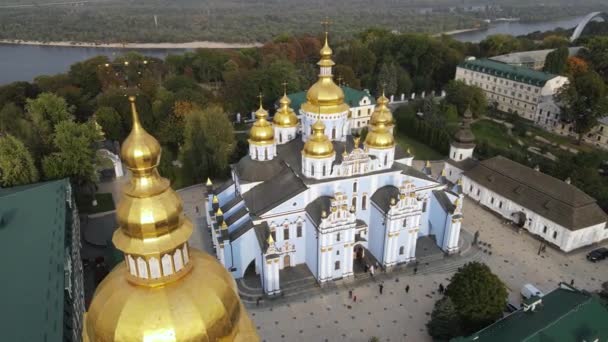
555, 235
385, 159
544, 229
333, 133
286, 234
470, 188
312, 170
337, 265
299, 229
405, 222
354, 202
500, 204
337, 236
338, 252
460, 156
492, 200
355, 186
424, 207
323, 170
478, 191
401, 250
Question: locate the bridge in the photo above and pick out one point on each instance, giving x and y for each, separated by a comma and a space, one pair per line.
589, 17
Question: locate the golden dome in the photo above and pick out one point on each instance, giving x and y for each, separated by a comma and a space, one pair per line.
380, 138
261, 133
194, 299
325, 96
381, 113
318, 145
285, 116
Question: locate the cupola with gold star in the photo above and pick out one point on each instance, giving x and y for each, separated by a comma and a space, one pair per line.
165, 290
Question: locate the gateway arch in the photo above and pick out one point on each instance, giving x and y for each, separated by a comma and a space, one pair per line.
581, 26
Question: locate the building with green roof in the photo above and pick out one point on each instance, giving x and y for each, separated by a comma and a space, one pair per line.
42, 268
564, 314
361, 104
510, 88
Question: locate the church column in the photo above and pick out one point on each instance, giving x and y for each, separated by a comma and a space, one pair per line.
348, 259
413, 236
277, 286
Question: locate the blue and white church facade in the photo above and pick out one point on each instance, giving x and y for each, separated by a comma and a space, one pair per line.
323, 197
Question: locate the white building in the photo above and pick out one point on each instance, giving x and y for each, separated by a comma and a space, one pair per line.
325, 200
555, 210
511, 88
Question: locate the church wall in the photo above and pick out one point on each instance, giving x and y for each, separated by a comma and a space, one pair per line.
234, 209
438, 219
377, 232
294, 246
459, 154
334, 125
245, 249
452, 173
226, 195
311, 247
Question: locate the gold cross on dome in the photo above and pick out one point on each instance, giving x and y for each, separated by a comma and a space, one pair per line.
260, 96
326, 24
284, 86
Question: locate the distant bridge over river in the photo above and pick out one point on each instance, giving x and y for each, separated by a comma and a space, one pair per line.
589, 17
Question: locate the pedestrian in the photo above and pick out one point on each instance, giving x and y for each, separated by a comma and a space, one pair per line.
380, 287
197, 209
371, 270
257, 302
350, 294
407, 289
415, 270
354, 299
441, 288
572, 282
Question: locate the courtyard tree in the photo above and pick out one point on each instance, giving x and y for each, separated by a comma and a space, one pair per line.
111, 122
44, 112
16, 163
444, 323
478, 295
583, 101
464, 96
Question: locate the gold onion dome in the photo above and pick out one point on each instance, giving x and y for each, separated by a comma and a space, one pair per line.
325, 96
285, 116
380, 137
318, 145
261, 133
194, 299
382, 113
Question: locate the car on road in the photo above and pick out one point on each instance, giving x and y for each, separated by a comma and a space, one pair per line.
598, 254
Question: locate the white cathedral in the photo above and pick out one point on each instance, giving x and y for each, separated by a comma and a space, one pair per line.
310, 193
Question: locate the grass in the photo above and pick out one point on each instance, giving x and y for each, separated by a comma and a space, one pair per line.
494, 133
420, 150
104, 203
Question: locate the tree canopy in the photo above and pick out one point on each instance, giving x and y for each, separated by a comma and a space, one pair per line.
464, 96
444, 323
557, 61
16, 163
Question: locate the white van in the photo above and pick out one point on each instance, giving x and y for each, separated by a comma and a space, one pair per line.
529, 290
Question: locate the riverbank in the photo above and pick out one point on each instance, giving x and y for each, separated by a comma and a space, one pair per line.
453, 32
164, 46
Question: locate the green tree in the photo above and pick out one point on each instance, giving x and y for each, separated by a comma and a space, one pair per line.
74, 153
444, 323
44, 112
499, 44
557, 61
16, 163
387, 79
478, 294
596, 53
464, 96
347, 75
583, 101
111, 123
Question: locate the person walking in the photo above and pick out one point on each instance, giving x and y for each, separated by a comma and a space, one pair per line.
407, 289
415, 270
381, 287
371, 270
350, 294
441, 288
355, 299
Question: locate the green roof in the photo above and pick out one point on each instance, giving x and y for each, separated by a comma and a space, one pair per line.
565, 314
351, 97
32, 245
511, 72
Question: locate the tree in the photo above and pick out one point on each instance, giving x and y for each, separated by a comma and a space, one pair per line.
111, 122
444, 323
557, 61
44, 112
596, 53
464, 96
387, 79
499, 44
576, 66
583, 101
478, 294
347, 75
74, 153
16, 163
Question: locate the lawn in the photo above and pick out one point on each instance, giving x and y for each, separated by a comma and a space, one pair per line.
493, 133
420, 150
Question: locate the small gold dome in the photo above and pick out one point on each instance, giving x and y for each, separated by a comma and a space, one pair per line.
379, 138
382, 114
318, 145
285, 116
203, 305
140, 150
261, 133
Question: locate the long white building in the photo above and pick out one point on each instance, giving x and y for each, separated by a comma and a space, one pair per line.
511, 88
553, 209
310, 193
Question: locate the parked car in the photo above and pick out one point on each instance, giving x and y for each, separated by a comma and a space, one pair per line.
598, 254
528, 291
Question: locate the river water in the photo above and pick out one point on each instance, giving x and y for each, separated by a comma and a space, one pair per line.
25, 62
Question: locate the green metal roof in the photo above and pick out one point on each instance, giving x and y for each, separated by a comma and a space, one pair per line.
351, 97
565, 314
511, 72
32, 250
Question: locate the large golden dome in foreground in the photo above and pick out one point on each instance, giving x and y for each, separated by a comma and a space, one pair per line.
318, 145
325, 96
165, 291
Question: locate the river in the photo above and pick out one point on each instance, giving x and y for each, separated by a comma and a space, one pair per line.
25, 62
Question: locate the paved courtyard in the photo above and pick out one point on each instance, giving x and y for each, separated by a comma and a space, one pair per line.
397, 315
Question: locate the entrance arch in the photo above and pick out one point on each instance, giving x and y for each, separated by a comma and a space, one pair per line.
286, 261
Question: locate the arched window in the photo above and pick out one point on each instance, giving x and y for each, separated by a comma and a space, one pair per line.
323, 169
265, 154
405, 222
256, 154
364, 202
299, 229
312, 169
337, 265
333, 133
355, 186
280, 138
385, 159
401, 250
354, 202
